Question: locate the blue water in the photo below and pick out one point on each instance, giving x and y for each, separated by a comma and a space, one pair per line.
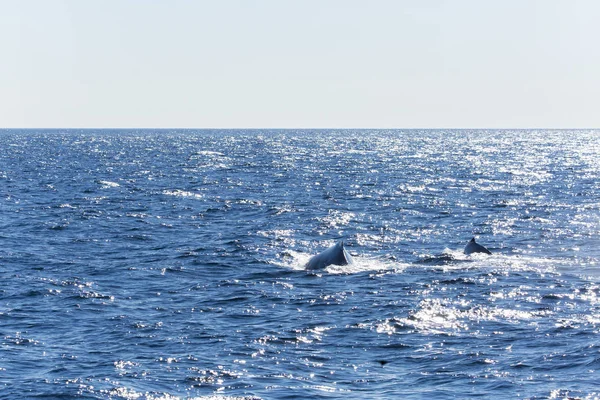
140, 264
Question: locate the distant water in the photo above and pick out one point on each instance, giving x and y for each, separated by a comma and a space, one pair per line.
139, 264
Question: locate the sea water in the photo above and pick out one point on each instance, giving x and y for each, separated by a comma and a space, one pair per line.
162, 264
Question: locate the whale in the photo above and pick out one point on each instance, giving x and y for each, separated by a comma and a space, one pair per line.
335, 255
473, 247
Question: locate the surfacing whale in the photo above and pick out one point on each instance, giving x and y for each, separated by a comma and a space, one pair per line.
335, 255
473, 247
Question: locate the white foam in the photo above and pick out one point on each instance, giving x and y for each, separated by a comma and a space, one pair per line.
497, 261
363, 264
297, 260
182, 193
108, 184
131, 394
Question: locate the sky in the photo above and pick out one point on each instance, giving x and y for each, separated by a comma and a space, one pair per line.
299, 64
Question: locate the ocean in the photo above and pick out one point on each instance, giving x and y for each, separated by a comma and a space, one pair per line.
167, 264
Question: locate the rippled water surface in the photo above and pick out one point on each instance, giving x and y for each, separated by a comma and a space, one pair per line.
169, 264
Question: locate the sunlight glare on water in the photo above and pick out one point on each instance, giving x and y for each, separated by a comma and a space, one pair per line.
141, 264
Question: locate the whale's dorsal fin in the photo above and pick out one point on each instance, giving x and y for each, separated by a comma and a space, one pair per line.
336, 255
473, 247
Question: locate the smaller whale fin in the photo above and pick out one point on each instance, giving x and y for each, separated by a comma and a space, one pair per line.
474, 247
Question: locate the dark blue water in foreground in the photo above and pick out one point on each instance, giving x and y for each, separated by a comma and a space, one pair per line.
168, 264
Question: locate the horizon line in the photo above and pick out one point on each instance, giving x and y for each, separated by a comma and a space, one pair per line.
285, 129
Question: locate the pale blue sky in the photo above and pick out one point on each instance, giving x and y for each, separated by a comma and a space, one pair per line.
300, 63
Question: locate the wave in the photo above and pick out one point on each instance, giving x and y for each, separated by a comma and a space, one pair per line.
126, 393
108, 184
456, 260
182, 193
448, 260
297, 260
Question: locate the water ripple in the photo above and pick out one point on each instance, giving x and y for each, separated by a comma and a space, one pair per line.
144, 264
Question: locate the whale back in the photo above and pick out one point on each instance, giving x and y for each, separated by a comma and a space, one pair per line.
335, 255
473, 247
